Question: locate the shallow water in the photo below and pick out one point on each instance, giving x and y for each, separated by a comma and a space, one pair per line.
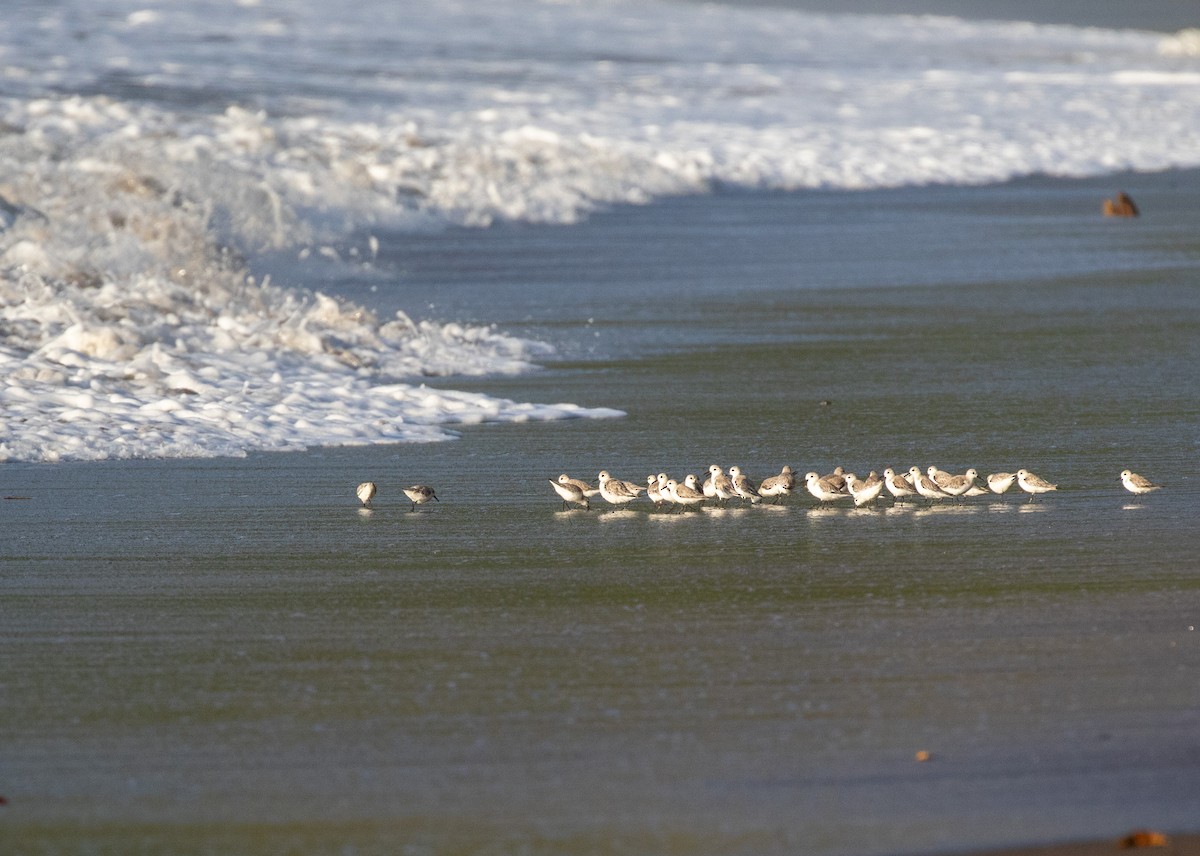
231, 656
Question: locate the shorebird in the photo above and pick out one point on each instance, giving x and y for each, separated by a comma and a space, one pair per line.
686, 494
365, 493
742, 486
925, 486
1137, 484
959, 485
1000, 482
778, 486
723, 488
897, 485
837, 478
652, 492
617, 492
661, 480
633, 486
664, 490
822, 489
939, 477
1033, 484
588, 490
569, 491
862, 490
420, 494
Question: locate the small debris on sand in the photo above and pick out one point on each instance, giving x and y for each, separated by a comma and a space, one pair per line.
1122, 206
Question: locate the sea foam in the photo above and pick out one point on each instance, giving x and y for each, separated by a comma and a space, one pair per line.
148, 150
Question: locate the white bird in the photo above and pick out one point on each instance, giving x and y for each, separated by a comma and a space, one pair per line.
1033, 484
959, 485
897, 485
588, 490
862, 490
652, 492
939, 477
1137, 484
742, 486
663, 491
666, 491
633, 486
365, 493
569, 491
617, 492
722, 484
822, 489
778, 486
925, 486
837, 478
420, 494
1000, 482
686, 494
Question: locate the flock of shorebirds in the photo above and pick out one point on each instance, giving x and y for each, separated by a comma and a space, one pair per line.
721, 487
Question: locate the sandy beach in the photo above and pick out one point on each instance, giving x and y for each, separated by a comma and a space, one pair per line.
252, 258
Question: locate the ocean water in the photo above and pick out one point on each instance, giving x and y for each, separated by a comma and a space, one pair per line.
254, 254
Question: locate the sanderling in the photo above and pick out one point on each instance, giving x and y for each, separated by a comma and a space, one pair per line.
666, 491
588, 490
652, 492
420, 494
778, 486
822, 489
668, 498
569, 491
617, 492
926, 486
862, 490
959, 485
686, 494
365, 493
939, 477
837, 478
1000, 482
742, 485
1137, 484
634, 486
722, 484
897, 485
1033, 484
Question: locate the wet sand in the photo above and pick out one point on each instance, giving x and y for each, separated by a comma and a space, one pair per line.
1156, 844
232, 656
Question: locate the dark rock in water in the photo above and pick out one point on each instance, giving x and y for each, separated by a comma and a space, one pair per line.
1122, 206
